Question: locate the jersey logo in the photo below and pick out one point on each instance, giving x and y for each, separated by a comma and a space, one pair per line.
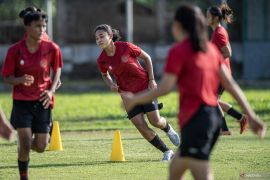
21, 62
124, 58
43, 63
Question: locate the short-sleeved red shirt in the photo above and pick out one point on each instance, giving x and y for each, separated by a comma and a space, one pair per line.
220, 38
20, 61
124, 66
197, 77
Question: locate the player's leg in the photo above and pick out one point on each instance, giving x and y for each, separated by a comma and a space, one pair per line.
200, 169
224, 128
41, 127
160, 122
177, 168
140, 123
24, 146
21, 120
241, 118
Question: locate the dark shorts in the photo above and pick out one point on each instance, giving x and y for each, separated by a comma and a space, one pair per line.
144, 108
31, 114
200, 134
220, 90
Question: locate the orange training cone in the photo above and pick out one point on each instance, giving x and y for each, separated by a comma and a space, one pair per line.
117, 148
56, 142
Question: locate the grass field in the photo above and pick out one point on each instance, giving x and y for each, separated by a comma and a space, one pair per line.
87, 121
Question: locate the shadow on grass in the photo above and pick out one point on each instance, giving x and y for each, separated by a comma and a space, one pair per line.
94, 140
94, 163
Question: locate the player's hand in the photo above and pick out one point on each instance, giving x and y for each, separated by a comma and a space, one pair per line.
46, 98
114, 87
6, 131
27, 80
152, 84
257, 126
59, 83
128, 100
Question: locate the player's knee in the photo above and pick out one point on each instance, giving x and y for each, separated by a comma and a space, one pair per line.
40, 147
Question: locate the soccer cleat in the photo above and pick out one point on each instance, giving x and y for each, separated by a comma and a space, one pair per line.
173, 136
168, 155
243, 124
225, 133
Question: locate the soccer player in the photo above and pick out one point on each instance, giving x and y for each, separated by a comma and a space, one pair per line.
6, 130
121, 60
33, 67
196, 67
215, 15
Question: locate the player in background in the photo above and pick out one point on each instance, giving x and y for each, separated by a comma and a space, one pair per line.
33, 67
120, 59
215, 16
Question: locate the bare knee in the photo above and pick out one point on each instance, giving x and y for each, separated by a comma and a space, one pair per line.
40, 147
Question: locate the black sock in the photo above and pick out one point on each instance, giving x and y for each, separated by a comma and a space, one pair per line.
23, 169
167, 128
159, 144
234, 113
224, 126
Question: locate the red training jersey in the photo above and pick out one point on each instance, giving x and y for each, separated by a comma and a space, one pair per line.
124, 66
197, 77
220, 38
19, 61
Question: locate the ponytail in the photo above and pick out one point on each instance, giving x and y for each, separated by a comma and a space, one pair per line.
227, 13
223, 12
194, 23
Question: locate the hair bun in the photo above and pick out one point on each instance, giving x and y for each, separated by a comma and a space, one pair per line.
22, 13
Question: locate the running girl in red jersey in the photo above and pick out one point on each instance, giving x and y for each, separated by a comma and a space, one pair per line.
220, 37
120, 60
196, 67
27, 68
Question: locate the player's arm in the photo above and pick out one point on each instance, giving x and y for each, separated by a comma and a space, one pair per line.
47, 95
167, 83
226, 51
26, 79
257, 126
6, 131
149, 68
109, 82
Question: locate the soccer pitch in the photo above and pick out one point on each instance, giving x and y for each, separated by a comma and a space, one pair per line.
88, 120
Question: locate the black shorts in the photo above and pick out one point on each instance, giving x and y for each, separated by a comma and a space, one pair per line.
31, 114
200, 134
220, 90
144, 108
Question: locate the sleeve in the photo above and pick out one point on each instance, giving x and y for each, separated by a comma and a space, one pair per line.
101, 67
57, 59
221, 40
135, 51
9, 64
174, 62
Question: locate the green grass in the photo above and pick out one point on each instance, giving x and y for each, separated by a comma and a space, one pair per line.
87, 122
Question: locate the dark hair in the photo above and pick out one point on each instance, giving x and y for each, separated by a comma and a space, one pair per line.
194, 23
109, 30
223, 12
30, 14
